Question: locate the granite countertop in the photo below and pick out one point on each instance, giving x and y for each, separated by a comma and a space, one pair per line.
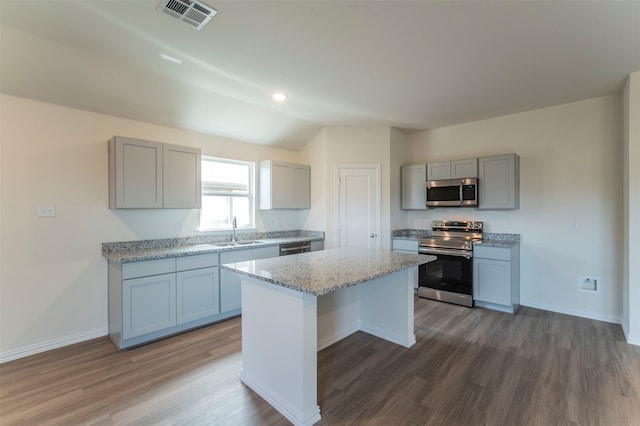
499, 240
491, 239
132, 251
411, 234
326, 271
496, 243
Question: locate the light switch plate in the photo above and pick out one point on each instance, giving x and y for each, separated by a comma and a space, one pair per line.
46, 210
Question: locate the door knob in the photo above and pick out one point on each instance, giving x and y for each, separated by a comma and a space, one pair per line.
372, 235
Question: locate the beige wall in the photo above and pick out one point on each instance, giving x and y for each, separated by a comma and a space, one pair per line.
570, 171
631, 210
314, 154
358, 145
53, 281
398, 158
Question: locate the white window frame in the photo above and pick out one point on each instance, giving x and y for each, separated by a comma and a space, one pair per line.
251, 195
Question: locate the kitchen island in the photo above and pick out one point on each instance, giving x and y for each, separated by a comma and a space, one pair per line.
293, 306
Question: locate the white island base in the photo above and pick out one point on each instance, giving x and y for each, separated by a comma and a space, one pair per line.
283, 329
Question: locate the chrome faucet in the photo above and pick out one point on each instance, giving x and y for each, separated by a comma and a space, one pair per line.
234, 226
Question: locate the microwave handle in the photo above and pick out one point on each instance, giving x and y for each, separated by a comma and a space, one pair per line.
460, 192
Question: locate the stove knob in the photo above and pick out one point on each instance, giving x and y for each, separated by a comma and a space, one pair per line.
478, 225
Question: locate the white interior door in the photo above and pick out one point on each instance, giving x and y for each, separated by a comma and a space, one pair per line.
358, 206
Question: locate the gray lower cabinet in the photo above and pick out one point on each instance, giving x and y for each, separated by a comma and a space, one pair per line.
230, 295
404, 245
317, 245
197, 294
152, 299
148, 304
496, 277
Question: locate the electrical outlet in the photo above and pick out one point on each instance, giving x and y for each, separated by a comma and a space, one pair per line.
588, 283
46, 210
573, 225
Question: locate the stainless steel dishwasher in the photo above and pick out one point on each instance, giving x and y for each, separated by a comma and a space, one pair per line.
295, 248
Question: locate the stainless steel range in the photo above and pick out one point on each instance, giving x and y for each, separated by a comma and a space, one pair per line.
450, 277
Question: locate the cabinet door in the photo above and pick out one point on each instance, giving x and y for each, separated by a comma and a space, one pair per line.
135, 173
414, 193
461, 169
280, 186
197, 294
230, 294
284, 185
439, 171
182, 177
301, 181
498, 182
492, 281
148, 304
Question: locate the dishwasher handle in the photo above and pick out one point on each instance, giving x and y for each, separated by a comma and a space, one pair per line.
286, 249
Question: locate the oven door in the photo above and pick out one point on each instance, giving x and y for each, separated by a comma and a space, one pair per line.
448, 278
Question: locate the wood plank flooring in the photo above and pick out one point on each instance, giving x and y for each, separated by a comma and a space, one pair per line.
468, 367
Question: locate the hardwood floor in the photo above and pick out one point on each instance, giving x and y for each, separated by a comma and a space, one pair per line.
468, 367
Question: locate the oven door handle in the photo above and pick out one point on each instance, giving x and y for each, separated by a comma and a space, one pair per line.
448, 252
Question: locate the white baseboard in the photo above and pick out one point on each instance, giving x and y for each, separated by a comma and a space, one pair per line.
633, 340
52, 344
328, 341
614, 319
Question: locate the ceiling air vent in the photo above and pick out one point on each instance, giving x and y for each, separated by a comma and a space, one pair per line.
193, 13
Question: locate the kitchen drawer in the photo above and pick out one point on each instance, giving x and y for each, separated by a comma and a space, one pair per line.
199, 261
147, 268
495, 253
405, 245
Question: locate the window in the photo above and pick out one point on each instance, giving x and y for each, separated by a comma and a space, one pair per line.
227, 191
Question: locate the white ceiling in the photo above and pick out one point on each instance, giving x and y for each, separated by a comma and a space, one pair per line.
413, 65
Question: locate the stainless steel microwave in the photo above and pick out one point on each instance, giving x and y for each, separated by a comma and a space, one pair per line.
452, 192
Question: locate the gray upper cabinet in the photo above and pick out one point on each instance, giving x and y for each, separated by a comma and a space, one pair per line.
135, 173
439, 171
146, 174
464, 168
284, 185
455, 169
182, 177
413, 187
498, 182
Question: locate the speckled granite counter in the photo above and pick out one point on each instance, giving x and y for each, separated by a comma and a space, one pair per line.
131, 251
499, 240
411, 234
488, 238
326, 271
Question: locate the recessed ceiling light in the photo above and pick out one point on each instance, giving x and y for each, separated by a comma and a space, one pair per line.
279, 97
170, 58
